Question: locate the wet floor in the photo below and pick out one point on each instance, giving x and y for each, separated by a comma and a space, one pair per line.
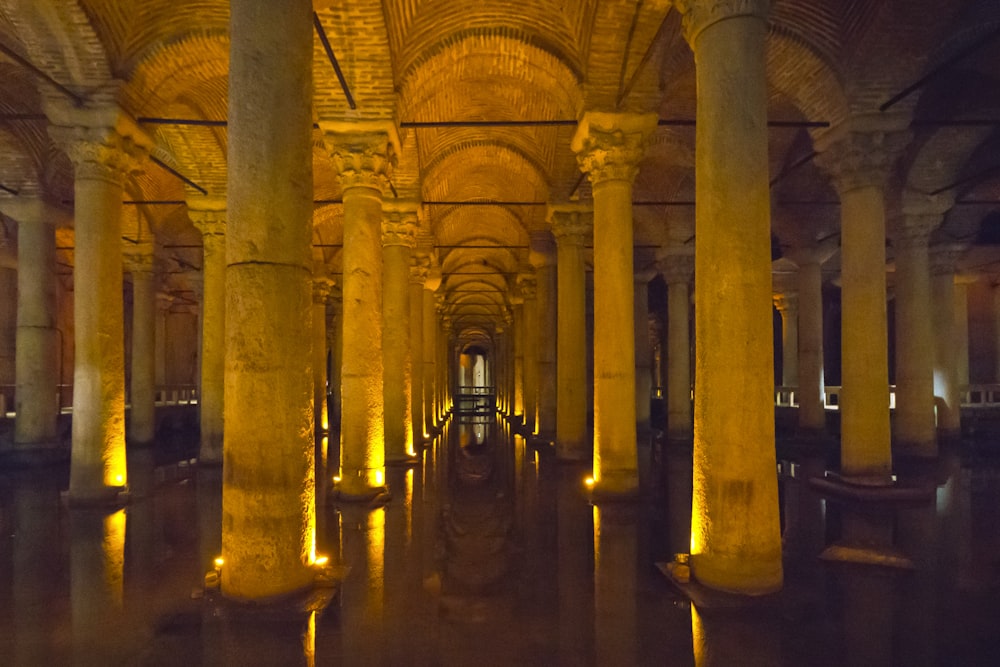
489, 554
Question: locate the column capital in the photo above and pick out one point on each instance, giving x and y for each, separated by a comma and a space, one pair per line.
420, 268
322, 287
572, 222
863, 151
677, 267
363, 153
609, 145
700, 14
103, 142
945, 256
542, 250
208, 216
399, 223
139, 258
528, 285
643, 276
786, 302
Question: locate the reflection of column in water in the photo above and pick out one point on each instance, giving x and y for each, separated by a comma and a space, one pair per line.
402, 568
97, 559
35, 525
615, 585
250, 636
917, 535
679, 489
574, 548
141, 528
867, 615
804, 534
363, 590
209, 504
725, 638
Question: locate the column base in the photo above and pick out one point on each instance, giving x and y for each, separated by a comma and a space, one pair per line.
106, 497
404, 460
678, 573
612, 490
868, 488
867, 555
373, 495
314, 597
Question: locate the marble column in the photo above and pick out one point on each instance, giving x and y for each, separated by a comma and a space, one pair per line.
268, 485
962, 283
430, 351
209, 217
811, 394
36, 352
543, 259
336, 335
609, 147
517, 302
419, 268
142, 418
859, 156
398, 240
787, 305
322, 285
101, 156
528, 285
678, 271
735, 485
572, 225
363, 155
643, 352
913, 423
947, 395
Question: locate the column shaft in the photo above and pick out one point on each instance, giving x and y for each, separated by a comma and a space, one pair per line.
398, 237
679, 425
571, 391
211, 396
788, 308
36, 349
962, 332
142, 420
519, 360
321, 415
735, 485
268, 488
812, 414
417, 355
946, 390
531, 359
643, 355
430, 361
545, 335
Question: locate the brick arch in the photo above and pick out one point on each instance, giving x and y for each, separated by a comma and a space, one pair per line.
507, 160
166, 72
461, 225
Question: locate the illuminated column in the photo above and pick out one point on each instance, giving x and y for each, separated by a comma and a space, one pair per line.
914, 431
444, 363
36, 349
859, 157
322, 285
962, 283
101, 156
812, 398
543, 259
268, 487
678, 272
643, 351
430, 350
946, 389
398, 239
609, 147
336, 334
735, 485
142, 420
419, 267
163, 304
209, 217
362, 155
518, 306
526, 282
572, 225
996, 329
788, 307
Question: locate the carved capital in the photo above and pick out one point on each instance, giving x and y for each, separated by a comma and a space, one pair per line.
786, 302
700, 14
322, 288
944, 258
210, 222
362, 159
861, 159
572, 224
677, 268
139, 258
609, 146
528, 286
100, 153
420, 268
398, 229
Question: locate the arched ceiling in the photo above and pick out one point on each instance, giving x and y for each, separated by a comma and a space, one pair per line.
486, 96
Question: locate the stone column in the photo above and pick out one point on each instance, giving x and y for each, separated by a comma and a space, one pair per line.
528, 286
859, 156
735, 485
609, 147
996, 331
142, 420
914, 431
419, 268
962, 283
947, 396
788, 306
445, 366
363, 154
430, 351
36, 352
643, 352
398, 239
101, 156
572, 225
164, 302
812, 398
268, 487
518, 316
543, 259
336, 334
678, 272
321, 288
209, 217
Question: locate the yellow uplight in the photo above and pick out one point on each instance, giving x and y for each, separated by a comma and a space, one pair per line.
322, 561
219, 562
336, 479
589, 482
379, 477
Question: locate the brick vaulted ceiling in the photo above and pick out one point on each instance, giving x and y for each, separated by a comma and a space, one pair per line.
432, 65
